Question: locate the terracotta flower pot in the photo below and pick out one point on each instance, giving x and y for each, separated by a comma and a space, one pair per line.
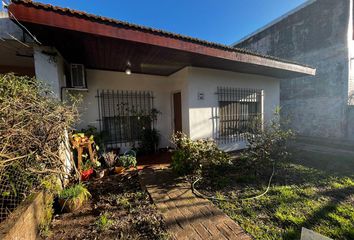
131, 168
70, 205
85, 175
119, 170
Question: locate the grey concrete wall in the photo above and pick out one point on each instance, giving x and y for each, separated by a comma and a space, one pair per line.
24, 223
9, 28
351, 120
14, 55
316, 35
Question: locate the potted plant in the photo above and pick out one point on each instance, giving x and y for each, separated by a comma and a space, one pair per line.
87, 170
72, 198
110, 159
99, 171
127, 161
149, 141
119, 169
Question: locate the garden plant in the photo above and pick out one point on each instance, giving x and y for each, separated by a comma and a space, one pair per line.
72, 198
191, 156
33, 126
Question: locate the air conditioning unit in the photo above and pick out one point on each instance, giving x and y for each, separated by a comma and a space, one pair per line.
77, 72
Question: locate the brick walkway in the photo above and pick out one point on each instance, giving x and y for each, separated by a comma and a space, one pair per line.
186, 216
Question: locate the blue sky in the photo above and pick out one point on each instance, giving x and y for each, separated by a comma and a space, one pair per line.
222, 21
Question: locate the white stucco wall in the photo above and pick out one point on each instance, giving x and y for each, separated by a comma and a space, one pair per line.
202, 112
109, 80
49, 68
197, 115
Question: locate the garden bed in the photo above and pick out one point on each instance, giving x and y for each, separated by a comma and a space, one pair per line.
313, 190
118, 209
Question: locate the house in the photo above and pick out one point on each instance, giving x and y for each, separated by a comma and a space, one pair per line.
318, 33
125, 71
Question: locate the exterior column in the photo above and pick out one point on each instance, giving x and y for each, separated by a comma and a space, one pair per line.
49, 68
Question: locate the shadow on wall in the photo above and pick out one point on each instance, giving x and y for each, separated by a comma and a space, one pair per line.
215, 122
350, 125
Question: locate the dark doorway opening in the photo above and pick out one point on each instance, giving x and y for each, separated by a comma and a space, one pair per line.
177, 110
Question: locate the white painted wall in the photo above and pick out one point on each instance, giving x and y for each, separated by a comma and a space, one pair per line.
202, 112
109, 80
197, 115
49, 69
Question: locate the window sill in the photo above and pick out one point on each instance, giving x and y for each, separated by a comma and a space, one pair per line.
75, 89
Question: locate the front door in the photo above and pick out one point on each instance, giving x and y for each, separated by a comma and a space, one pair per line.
177, 112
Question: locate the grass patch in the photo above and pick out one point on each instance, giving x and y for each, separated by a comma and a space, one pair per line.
104, 222
305, 192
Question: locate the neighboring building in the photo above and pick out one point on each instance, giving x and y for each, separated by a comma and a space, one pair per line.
320, 34
15, 56
124, 71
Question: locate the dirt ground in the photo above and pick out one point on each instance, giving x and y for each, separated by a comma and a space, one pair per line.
118, 209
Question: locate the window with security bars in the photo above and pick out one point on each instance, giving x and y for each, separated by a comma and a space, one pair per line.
123, 115
240, 113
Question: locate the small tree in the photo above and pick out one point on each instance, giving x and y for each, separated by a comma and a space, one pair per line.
267, 145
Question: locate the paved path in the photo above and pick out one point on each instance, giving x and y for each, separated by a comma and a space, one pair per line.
186, 216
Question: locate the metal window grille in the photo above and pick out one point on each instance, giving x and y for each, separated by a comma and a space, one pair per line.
240, 112
123, 115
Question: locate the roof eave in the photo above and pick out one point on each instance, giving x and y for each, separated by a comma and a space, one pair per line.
51, 18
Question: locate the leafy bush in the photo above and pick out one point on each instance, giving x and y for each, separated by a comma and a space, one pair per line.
268, 145
77, 191
32, 124
193, 155
127, 161
149, 140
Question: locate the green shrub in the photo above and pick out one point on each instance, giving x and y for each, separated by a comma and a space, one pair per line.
127, 161
193, 155
180, 162
44, 225
268, 145
33, 123
150, 139
75, 191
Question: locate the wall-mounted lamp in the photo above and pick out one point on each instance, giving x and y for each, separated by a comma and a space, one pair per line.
128, 70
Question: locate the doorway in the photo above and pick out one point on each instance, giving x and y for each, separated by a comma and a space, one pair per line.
177, 112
